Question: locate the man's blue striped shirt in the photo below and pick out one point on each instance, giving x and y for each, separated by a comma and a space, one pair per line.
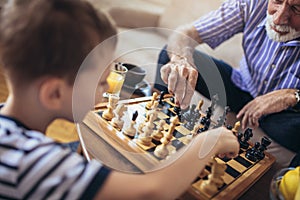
267, 65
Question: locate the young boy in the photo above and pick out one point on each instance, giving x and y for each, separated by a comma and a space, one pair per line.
43, 43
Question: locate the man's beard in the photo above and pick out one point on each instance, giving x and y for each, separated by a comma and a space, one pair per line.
291, 33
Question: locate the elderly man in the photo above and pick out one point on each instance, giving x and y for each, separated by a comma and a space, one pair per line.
264, 90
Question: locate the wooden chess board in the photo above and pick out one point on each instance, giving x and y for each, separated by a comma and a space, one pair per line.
240, 173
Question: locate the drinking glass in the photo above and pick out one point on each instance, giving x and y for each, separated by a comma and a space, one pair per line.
115, 79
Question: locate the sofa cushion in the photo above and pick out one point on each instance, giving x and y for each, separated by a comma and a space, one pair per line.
181, 12
134, 18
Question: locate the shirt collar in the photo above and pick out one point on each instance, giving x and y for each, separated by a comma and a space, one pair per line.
292, 43
17, 122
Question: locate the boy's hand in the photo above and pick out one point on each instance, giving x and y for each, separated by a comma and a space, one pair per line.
222, 141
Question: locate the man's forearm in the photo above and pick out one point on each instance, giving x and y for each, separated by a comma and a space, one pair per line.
183, 42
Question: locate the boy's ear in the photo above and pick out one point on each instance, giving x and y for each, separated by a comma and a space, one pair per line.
51, 93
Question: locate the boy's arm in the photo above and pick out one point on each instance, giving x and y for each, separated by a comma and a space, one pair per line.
173, 180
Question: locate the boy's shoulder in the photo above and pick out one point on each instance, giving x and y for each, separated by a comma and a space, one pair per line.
29, 160
17, 135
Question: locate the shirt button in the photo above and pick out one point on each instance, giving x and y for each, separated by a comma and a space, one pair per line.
265, 82
273, 66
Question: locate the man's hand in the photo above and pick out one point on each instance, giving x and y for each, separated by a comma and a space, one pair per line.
272, 102
181, 79
179, 74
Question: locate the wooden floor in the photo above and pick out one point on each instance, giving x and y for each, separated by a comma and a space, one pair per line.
60, 130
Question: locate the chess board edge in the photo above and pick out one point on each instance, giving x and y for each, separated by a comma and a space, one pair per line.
143, 161
240, 185
132, 153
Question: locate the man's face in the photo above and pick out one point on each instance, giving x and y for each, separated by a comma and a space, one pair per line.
283, 20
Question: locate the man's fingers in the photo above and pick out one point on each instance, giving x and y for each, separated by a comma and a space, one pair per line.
172, 80
190, 87
192, 77
180, 89
181, 79
245, 120
164, 73
255, 122
188, 96
241, 113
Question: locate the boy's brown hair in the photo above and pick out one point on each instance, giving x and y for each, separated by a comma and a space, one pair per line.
49, 37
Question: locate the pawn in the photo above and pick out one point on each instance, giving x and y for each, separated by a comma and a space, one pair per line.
161, 151
112, 103
251, 154
188, 113
174, 122
196, 129
265, 142
149, 104
153, 113
200, 104
161, 98
236, 127
197, 112
222, 119
215, 179
157, 135
145, 138
194, 132
131, 131
117, 121
247, 135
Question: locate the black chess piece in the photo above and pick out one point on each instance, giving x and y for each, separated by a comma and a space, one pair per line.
240, 136
222, 119
214, 100
265, 142
172, 99
135, 115
247, 135
229, 127
251, 153
205, 121
204, 128
209, 112
177, 111
190, 124
196, 114
187, 113
161, 98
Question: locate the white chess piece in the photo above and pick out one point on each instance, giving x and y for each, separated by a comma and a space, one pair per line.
117, 121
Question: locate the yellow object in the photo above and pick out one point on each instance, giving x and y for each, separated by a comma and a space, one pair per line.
115, 82
289, 184
297, 196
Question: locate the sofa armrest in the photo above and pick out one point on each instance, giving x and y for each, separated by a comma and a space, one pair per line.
131, 18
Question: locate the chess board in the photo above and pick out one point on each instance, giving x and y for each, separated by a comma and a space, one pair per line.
240, 173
